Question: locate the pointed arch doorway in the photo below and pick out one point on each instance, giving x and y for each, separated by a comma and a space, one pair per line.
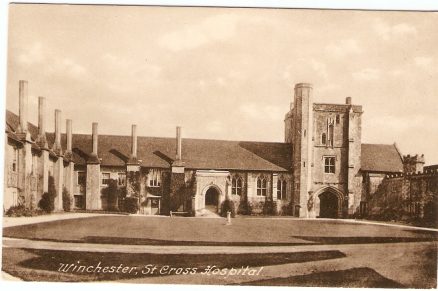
328, 207
328, 203
212, 199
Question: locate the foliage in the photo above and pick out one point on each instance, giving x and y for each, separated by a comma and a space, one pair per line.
431, 213
47, 202
21, 210
131, 205
66, 200
245, 207
111, 194
226, 206
270, 207
121, 196
133, 184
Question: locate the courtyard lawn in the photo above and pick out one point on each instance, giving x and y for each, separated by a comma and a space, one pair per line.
295, 252
213, 231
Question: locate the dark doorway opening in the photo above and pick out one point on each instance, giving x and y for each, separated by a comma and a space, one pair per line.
211, 199
329, 205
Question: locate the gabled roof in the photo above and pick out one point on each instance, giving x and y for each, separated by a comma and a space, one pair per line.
159, 152
381, 158
196, 153
12, 122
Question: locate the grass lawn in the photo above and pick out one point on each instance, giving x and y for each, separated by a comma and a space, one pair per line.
44, 265
195, 231
336, 253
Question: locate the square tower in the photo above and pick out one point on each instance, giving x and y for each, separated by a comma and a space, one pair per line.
326, 152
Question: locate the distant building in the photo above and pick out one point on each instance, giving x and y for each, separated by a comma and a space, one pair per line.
321, 170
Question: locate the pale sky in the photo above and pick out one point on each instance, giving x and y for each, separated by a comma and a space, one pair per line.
226, 73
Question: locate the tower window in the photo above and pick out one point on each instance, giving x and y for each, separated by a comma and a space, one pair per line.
329, 165
261, 186
236, 186
338, 119
330, 135
324, 138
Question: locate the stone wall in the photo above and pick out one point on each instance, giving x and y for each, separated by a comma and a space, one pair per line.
10, 185
411, 197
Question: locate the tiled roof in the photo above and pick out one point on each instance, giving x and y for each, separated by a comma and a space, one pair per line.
381, 158
205, 154
159, 152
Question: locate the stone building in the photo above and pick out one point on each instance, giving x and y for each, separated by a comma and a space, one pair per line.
410, 195
322, 169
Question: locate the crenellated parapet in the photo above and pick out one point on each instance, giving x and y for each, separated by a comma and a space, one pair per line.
419, 174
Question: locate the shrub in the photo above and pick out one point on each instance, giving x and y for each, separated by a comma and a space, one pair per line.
66, 200
245, 207
121, 196
47, 202
131, 204
111, 194
226, 206
21, 210
270, 208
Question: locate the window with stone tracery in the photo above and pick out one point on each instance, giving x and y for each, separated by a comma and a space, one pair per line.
236, 186
330, 135
281, 189
261, 186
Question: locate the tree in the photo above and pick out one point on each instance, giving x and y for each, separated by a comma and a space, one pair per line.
66, 199
47, 202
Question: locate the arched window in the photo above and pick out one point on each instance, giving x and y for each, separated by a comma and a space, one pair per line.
261, 186
330, 134
324, 138
236, 186
281, 189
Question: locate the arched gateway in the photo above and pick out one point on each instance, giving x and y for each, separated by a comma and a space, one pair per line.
212, 199
329, 203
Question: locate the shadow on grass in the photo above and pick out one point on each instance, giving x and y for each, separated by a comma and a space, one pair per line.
44, 265
329, 240
304, 240
352, 278
314, 240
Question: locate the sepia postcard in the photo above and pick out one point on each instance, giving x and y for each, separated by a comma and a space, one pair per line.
241, 146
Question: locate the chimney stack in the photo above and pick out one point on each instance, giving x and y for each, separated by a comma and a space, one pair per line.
348, 100
57, 127
41, 139
23, 99
95, 137
178, 144
41, 114
134, 141
57, 144
69, 135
